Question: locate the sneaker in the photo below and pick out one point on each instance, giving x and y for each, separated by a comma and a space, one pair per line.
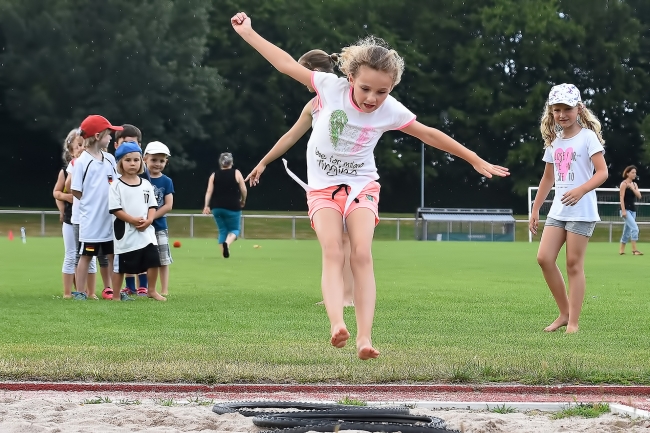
80, 296
142, 291
125, 297
107, 293
128, 291
226, 251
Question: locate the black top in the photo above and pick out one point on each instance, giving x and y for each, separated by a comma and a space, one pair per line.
628, 200
67, 206
225, 190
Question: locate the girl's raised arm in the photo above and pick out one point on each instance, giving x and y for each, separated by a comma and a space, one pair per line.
279, 58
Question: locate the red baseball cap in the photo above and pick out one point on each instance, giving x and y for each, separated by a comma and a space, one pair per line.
94, 124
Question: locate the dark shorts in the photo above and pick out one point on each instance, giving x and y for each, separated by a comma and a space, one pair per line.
138, 261
94, 249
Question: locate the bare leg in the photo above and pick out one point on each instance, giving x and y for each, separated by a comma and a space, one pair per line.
348, 278
231, 238
118, 279
105, 273
621, 250
152, 276
163, 271
68, 282
576, 246
549, 247
81, 276
92, 283
361, 228
328, 224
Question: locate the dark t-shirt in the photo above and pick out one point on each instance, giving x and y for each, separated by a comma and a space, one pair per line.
225, 190
162, 186
67, 206
628, 200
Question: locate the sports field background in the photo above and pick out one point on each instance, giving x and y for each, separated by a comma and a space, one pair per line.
446, 312
281, 228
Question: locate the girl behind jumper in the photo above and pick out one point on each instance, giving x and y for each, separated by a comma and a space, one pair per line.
341, 170
72, 147
132, 201
573, 148
315, 60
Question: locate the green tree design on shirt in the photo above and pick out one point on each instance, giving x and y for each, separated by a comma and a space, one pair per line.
338, 120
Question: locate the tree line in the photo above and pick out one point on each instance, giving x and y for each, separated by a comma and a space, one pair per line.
480, 71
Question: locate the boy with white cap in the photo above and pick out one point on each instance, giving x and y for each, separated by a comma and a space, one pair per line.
155, 156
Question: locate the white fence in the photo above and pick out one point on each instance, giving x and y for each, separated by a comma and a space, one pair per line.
401, 225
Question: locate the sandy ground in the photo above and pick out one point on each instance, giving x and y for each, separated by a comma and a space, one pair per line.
49, 411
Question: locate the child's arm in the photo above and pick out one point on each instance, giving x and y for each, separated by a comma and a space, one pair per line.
285, 143
120, 214
144, 223
208, 195
280, 59
570, 198
59, 188
545, 185
442, 141
166, 207
242, 188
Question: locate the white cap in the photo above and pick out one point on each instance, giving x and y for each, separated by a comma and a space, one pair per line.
157, 148
564, 94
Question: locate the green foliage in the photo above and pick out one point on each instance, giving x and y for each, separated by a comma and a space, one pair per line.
585, 410
349, 401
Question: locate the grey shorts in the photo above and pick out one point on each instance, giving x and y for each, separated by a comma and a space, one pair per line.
583, 228
162, 236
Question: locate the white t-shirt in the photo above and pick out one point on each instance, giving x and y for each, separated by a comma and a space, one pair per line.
135, 200
571, 159
75, 202
341, 147
93, 178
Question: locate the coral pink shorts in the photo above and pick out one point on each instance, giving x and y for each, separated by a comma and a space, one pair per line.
334, 197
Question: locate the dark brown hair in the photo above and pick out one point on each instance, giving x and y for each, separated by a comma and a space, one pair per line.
319, 60
129, 131
627, 170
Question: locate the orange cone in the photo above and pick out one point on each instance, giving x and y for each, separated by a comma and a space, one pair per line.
11, 235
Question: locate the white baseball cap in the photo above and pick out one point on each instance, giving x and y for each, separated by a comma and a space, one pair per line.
564, 94
157, 148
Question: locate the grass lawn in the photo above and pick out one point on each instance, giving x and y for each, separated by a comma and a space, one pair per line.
446, 312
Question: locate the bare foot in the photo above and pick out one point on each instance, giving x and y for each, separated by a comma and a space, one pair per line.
68, 297
571, 329
164, 293
348, 303
366, 352
557, 324
340, 336
156, 296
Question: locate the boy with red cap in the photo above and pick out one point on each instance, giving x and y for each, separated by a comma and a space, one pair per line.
94, 171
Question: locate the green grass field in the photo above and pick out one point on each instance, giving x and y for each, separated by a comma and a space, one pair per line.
446, 312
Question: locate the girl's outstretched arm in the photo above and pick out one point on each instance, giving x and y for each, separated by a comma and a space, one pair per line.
442, 141
279, 58
285, 143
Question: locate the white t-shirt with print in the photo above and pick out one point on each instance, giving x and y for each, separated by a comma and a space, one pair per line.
341, 147
93, 178
571, 159
135, 200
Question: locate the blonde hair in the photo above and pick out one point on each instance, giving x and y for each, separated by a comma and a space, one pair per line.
92, 140
119, 168
319, 60
375, 53
68, 144
551, 130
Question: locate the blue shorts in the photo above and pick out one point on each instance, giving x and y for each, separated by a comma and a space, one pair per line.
228, 221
